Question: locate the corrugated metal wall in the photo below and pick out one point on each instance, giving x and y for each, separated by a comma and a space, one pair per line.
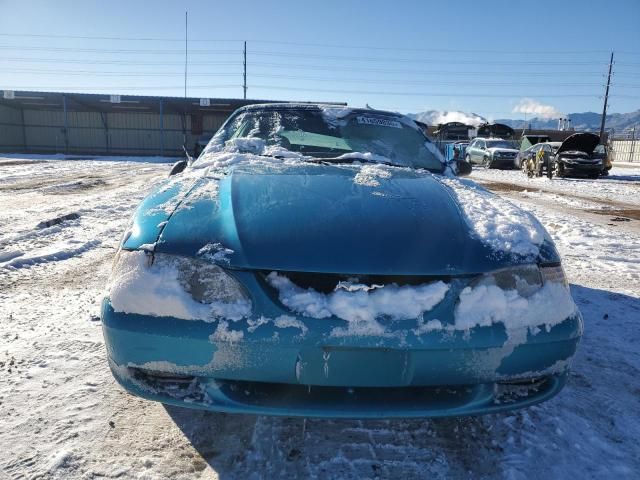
626, 150
126, 133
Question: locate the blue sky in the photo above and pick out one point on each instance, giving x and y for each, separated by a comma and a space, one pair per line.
489, 57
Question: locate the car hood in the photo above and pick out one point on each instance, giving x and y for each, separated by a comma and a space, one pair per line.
580, 142
326, 218
501, 150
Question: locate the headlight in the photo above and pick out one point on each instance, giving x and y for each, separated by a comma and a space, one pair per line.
206, 282
525, 279
554, 274
171, 285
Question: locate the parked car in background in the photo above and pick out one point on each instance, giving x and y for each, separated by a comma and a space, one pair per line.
322, 261
575, 156
491, 153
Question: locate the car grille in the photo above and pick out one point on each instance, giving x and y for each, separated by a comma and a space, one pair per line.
327, 282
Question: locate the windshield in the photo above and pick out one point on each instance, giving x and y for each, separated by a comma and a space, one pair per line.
358, 136
499, 144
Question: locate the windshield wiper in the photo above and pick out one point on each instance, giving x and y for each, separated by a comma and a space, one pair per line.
353, 159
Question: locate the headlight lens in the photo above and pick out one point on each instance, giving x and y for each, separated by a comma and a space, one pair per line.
206, 282
554, 274
525, 279
171, 285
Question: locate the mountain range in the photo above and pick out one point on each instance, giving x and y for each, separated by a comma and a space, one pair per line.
587, 121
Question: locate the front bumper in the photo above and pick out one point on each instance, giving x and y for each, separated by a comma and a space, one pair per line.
503, 162
291, 371
582, 168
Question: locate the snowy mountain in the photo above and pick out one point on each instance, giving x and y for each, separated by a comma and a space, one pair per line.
435, 117
587, 121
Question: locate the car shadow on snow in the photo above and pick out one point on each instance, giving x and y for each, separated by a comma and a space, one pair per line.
624, 178
243, 446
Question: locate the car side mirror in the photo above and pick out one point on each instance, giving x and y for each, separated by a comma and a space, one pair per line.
178, 167
463, 169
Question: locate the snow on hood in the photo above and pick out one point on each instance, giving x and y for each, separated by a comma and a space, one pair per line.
360, 305
497, 222
501, 149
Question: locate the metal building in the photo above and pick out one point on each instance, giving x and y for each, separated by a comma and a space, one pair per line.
96, 124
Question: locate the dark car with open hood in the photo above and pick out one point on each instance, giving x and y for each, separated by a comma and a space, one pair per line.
575, 157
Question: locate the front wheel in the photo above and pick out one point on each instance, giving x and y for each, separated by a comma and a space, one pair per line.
560, 170
550, 170
486, 162
468, 159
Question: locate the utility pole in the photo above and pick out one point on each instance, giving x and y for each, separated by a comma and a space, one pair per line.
186, 20
606, 98
244, 70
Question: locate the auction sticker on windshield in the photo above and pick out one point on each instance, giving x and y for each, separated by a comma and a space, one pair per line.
380, 122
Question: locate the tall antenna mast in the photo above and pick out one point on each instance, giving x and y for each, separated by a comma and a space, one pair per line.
244, 70
185, 53
184, 116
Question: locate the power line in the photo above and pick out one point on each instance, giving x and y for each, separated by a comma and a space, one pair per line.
312, 78
114, 88
413, 60
119, 50
320, 90
294, 55
305, 67
111, 62
425, 94
315, 45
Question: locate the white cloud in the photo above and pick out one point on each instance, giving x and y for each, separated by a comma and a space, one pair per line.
435, 117
531, 106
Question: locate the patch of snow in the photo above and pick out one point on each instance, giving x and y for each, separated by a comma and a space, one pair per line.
496, 221
156, 290
224, 334
360, 308
484, 305
245, 144
286, 321
368, 175
215, 252
333, 114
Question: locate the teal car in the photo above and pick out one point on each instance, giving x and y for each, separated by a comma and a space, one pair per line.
322, 261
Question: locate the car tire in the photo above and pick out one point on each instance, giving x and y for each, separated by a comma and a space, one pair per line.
560, 170
486, 162
468, 160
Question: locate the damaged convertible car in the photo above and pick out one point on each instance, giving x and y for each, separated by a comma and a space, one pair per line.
324, 261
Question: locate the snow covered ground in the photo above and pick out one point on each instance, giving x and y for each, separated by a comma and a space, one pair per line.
63, 416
